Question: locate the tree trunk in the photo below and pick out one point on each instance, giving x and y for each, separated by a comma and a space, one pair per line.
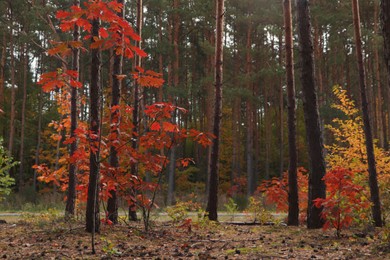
136, 110
175, 70
13, 89
212, 204
112, 203
71, 196
249, 115
39, 130
92, 214
385, 21
312, 118
267, 132
281, 109
379, 103
23, 119
293, 206
373, 182
2, 75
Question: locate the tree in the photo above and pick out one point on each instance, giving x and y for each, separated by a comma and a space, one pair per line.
293, 207
213, 180
373, 181
312, 118
71, 197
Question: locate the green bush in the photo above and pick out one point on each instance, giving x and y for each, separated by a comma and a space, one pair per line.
6, 163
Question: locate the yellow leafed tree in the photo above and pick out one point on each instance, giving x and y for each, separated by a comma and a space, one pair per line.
349, 150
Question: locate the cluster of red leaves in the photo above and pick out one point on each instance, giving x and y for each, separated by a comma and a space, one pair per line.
114, 32
344, 199
276, 191
59, 79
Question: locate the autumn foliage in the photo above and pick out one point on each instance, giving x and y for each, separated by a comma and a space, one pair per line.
345, 200
275, 192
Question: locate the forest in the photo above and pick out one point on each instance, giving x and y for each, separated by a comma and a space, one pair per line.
194, 129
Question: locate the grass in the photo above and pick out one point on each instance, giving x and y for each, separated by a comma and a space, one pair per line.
244, 250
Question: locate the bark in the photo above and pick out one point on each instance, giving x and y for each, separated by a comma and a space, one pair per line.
373, 182
293, 206
92, 213
312, 118
71, 196
212, 203
112, 203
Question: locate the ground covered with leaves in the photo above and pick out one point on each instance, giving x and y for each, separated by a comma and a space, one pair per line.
57, 239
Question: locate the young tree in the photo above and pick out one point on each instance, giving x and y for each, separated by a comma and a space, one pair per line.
213, 180
293, 207
373, 181
312, 117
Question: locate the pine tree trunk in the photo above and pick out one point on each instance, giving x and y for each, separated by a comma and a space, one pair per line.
385, 22
249, 115
2, 75
373, 182
136, 110
175, 72
112, 202
39, 130
281, 109
267, 130
13, 90
212, 204
92, 214
71, 196
293, 206
23, 119
312, 118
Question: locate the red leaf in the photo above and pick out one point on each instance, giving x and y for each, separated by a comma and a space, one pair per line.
155, 126
62, 14
103, 33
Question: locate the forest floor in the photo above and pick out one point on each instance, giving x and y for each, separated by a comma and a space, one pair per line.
46, 238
